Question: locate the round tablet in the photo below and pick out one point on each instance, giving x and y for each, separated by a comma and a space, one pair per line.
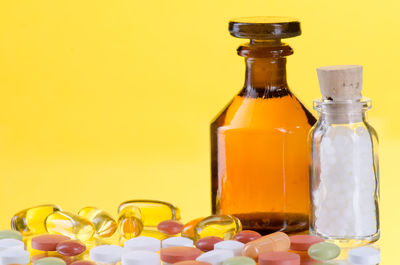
83, 262
215, 256
141, 257
10, 234
278, 258
303, 242
14, 256
324, 251
364, 256
70, 247
176, 254
207, 243
7, 243
246, 236
170, 227
192, 262
49, 261
232, 245
177, 242
47, 242
239, 261
106, 253
143, 243
51, 254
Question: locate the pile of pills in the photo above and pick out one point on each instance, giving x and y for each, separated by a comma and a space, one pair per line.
150, 233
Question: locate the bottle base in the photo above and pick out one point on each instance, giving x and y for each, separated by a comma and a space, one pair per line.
349, 242
270, 222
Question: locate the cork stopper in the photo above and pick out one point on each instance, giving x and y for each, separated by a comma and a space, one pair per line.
340, 82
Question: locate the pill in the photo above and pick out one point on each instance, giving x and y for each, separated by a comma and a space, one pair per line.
207, 243
188, 228
10, 234
130, 222
239, 261
69, 224
47, 242
215, 257
141, 257
176, 242
36, 257
277, 241
32, 221
324, 251
170, 227
303, 242
176, 254
106, 254
70, 247
50, 261
7, 243
104, 224
192, 262
83, 262
232, 245
223, 226
246, 236
278, 258
14, 256
143, 243
364, 256
154, 212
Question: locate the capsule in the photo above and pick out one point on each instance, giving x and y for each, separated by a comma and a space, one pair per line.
130, 222
188, 228
69, 224
104, 224
274, 242
153, 212
31, 221
223, 226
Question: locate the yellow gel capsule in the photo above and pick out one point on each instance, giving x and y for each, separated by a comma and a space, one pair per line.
188, 228
104, 224
69, 224
223, 226
130, 222
154, 212
31, 221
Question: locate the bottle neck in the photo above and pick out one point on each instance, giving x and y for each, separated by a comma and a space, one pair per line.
265, 73
265, 68
345, 112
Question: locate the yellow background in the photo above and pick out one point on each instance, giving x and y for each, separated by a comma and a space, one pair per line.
105, 101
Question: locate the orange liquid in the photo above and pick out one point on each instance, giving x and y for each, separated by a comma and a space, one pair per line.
260, 163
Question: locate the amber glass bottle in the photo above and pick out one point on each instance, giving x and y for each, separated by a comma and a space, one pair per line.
259, 141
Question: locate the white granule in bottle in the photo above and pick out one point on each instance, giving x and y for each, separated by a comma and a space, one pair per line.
344, 200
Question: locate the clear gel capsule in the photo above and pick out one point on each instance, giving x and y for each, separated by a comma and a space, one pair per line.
154, 212
32, 220
223, 226
104, 224
71, 225
188, 228
274, 242
130, 222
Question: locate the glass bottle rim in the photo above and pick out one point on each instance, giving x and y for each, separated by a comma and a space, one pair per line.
319, 103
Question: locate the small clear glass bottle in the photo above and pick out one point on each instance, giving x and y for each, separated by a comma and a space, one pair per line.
344, 172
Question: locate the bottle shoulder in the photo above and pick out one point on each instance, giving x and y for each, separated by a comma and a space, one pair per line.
259, 112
